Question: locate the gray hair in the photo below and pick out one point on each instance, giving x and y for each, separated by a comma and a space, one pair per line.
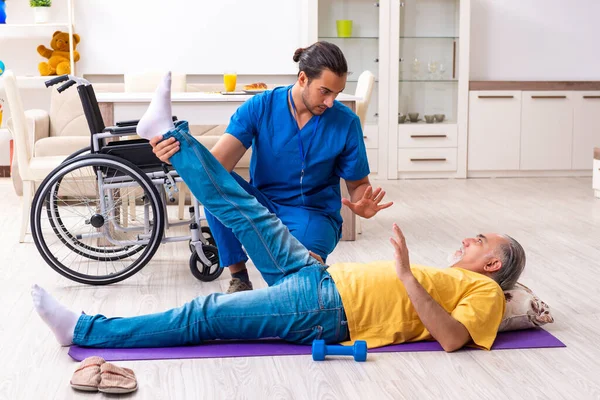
512, 256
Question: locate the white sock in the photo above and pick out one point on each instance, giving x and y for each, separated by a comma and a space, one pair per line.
158, 118
60, 320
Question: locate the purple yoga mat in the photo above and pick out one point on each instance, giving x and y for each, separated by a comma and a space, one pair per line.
525, 339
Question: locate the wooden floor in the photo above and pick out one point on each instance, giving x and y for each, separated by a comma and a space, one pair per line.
557, 220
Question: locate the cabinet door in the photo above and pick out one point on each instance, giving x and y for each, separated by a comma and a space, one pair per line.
546, 130
586, 129
494, 131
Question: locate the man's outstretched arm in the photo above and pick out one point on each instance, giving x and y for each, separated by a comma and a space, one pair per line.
450, 333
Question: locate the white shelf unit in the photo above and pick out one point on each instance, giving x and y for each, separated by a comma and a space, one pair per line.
5, 138
23, 30
366, 49
19, 31
430, 41
387, 37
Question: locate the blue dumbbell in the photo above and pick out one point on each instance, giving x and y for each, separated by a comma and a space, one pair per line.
320, 350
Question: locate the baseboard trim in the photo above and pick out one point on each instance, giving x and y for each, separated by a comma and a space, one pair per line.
529, 174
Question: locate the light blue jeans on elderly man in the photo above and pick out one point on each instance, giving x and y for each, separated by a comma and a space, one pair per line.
301, 303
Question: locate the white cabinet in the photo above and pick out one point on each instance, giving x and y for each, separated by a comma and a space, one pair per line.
366, 47
546, 130
419, 53
429, 42
586, 128
494, 130
427, 160
533, 133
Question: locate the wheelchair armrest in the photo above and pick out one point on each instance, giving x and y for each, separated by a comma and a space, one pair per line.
116, 130
134, 122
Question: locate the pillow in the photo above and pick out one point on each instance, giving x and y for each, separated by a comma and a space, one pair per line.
524, 310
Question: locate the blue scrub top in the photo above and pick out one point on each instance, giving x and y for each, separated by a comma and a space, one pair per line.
335, 150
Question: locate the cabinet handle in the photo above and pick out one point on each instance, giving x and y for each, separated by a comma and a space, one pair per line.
591, 97
428, 136
376, 5
496, 97
427, 159
548, 97
376, 60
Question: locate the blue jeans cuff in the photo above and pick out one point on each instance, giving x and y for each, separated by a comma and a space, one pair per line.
84, 319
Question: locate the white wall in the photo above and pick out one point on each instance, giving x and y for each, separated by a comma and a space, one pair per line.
194, 37
535, 40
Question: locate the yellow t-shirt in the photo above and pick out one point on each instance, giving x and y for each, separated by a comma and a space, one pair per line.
380, 312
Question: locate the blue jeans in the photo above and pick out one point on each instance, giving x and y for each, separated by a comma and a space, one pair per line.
301, 303
315, 230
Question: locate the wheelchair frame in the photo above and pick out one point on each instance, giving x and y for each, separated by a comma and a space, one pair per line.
134, 166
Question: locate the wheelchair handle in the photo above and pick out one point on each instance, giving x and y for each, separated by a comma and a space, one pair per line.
66, 86
54, 81
71, 80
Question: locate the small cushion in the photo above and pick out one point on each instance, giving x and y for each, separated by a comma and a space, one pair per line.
60, 145
66, 114
524, 310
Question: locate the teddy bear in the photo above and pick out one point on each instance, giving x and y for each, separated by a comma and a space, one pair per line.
58, 59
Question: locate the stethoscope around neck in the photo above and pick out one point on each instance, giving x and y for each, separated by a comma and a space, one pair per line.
300, 144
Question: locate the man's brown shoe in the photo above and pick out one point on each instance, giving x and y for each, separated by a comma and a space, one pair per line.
238, 285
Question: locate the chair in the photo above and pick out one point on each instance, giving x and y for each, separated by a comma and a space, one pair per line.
32, 167
364, 90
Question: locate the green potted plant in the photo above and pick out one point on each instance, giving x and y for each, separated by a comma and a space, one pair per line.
41, 10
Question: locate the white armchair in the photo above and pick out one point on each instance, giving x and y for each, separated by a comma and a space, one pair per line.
25, 127
57, 133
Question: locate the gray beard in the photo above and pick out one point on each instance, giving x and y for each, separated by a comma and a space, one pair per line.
454, 259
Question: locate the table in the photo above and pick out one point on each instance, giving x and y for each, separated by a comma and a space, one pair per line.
199, 108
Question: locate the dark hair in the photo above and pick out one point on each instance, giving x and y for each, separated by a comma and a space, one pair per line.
513, 260
319, 56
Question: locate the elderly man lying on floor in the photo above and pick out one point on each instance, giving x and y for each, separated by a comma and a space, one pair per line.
381, 302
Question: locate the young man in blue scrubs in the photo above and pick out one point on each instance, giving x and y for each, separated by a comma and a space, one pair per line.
303, 141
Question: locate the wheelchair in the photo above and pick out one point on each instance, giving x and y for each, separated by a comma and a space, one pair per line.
99, 217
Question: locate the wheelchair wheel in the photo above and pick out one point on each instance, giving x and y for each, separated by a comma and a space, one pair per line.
203, 272
80, 219
84, 151
112, 253
64, 235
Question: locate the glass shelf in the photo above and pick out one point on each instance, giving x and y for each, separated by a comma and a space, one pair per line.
430, 37
23, 31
